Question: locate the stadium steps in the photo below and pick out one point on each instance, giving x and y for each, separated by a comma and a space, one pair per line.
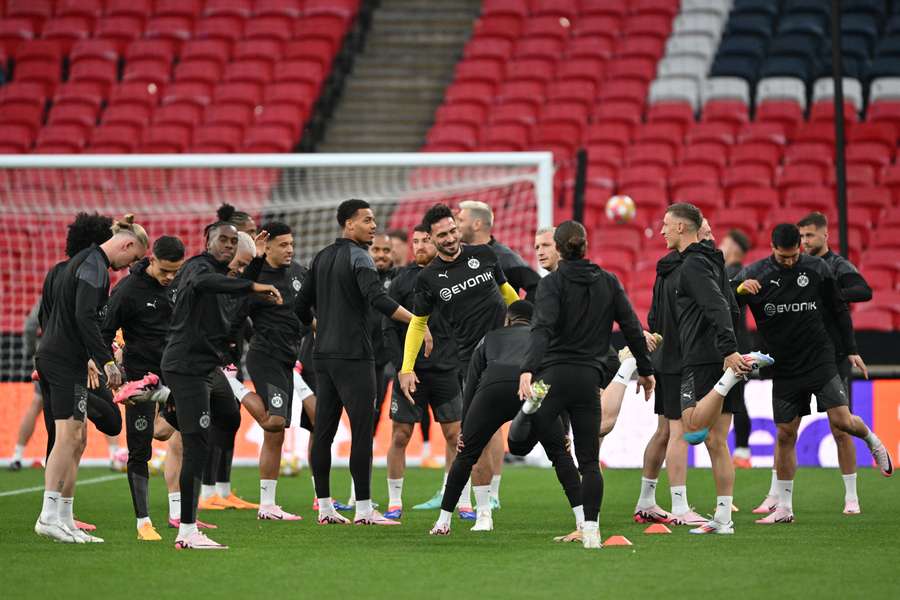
398, 80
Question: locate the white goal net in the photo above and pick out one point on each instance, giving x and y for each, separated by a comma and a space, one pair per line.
178, 195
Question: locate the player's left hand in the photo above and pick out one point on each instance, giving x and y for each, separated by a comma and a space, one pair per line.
647, 382
408, 383
93, 381
651, 341
857, 361
269, 292
261, 239
749, 286
459, 443
525, 387
429, 342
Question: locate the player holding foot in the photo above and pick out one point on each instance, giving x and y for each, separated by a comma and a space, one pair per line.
576, 307
71, 338
341, 286
439, 379
854, 288
793, 296
195, 349
491, 399
139, 305
468, 287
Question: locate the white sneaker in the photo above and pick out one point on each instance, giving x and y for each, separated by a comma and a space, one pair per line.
591, 539
83, 537
713, 526
332, 518
883, 460
55, 531
439, 530
483, 521
198, 541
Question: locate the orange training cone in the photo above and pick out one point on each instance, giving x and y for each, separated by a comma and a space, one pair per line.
657, 528
617, 540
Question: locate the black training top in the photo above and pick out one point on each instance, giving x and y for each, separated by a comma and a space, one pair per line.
704, 307
497, 358
77, 304
277, 331
854, 288
341, 285
141, 307
443, 355
792, 309
573, 319
517, 271
47, 293
376, 328
466, 291
199, 333
740, 325
662, 316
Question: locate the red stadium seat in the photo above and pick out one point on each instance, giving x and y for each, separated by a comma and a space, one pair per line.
37, 11
693, 175
663, 8
28, 116
581, 92
319, 50
884, 111
113, 139
704, 154
129, 8
343, 8
538, 71
593, 46
762, 132
652, 176
785, 112
733, 112
79, 93
196, 93
461, 137
78, 115
890, 178
618, 134
649, 47
120, 30
794, 175
515, 8
651, 25
199, 70
572, 113
874, 154
470, 93
813, 154
873, 133
660, 133
467, 114
625, 90
650, 153
479, 70
238, 8
811, 198
505, 135
642, 70
284, 93
881, 259
147, 71
590, 70
182, 115
743, 218
213, 139
299, 69
102, 73
529, 92
136, 116
555, 8
267, 138
747, 176
235, 116
874, 198
546, 27
325, 27
499, 25
711, 133
67, 31
165, 139
707, 197
46, 74
677, 113
14, 32
272, 29
291, 117
94, 50
873, 319
66, 138
816, 133
758, 153
215, 50
176, 29
159, 50
615, 8
17, 139
178, 8
886, 237
857, 175
256, 72
135, 93
542, 48
823, 111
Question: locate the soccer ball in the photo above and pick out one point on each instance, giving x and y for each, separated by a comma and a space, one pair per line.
158, 462
620, 209
290, 465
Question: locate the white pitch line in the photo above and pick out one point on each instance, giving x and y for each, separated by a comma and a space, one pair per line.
40, 488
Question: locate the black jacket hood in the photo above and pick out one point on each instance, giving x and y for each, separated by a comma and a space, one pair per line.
707, 250
579, 271
668, 263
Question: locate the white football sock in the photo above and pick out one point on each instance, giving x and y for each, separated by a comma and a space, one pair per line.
18, 452
313, 479
872, 440
363, 508
679, 499
185, 530
267, 489
426, 449
207, 491
495, 487
444, 485
223, 488
482, 497
326, 506
142, 521
352, 492
66, 515
773, 487
648, 493
465, 498
850, 488
786, 494
175, 505
742, 453
395, 492
723, 509
444, 518
50, 508
626, 371
726, 382
112, 447
579, 516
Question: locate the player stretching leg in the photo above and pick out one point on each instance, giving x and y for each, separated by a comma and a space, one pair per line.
71, 338
194, 350
793, 297
439, 379
341, 285
576, 307
139, 305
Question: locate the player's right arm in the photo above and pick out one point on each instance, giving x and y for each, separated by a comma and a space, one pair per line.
89, 291
854, 286
700, 283
118, 311
547, 309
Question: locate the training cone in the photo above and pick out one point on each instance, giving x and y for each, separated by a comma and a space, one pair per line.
657, 528
617, 540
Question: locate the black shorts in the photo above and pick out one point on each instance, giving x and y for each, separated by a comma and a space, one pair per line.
791, 397
844, 369
699, 380
199, 400
667, 401
274, 382
66, 386
437, 389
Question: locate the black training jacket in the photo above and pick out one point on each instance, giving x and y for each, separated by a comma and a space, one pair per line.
47, 293
498, 357
277, 331
376, 328
741, 334
199, 333
77, 306
706, 309
792, 309
443, 355
141, 307
854, 288
662, 318
519, 275
573, 319
341, 286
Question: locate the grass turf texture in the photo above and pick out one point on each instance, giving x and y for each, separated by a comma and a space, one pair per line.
824, 553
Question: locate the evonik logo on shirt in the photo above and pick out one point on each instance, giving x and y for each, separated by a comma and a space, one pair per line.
447, 293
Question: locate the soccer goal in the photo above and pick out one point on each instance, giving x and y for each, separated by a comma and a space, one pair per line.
178, 195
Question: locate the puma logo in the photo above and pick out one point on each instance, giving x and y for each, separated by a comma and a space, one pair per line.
775, 282
444, 275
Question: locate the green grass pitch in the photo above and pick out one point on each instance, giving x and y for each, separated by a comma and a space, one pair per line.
823, 555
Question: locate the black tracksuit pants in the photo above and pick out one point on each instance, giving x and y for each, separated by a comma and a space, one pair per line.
492, 406
573, 388
344, 384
